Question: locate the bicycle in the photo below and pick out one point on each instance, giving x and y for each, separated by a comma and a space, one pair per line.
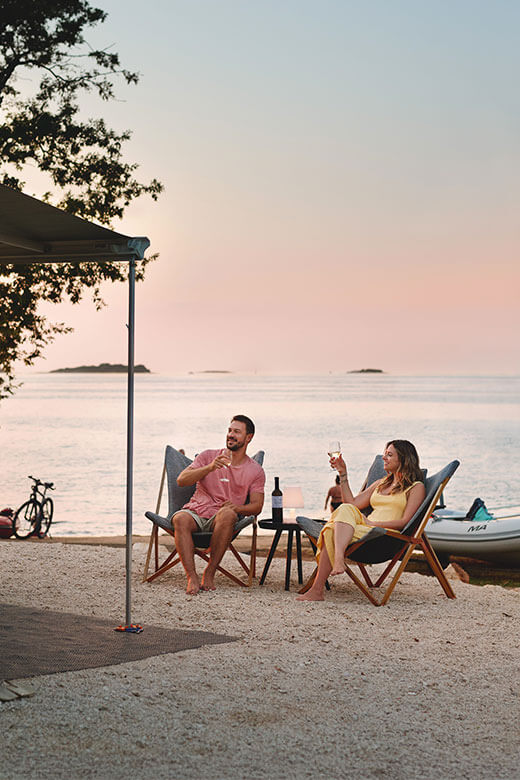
34, 517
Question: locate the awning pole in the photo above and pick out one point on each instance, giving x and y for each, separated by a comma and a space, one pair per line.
130, 439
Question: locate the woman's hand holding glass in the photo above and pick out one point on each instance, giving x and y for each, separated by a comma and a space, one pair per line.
337, 462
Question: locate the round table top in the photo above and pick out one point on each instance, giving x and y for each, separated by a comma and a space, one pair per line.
287, 525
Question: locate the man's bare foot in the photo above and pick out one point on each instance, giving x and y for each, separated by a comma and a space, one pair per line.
208, 582
338, 568
310, 596
193, 586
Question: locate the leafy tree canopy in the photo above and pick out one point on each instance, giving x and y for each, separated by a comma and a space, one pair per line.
43, 43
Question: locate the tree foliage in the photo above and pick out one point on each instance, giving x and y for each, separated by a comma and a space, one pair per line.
43, 43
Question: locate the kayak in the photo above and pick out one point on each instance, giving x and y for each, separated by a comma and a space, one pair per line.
495, 539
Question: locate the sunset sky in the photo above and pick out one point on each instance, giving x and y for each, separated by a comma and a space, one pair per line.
342, 186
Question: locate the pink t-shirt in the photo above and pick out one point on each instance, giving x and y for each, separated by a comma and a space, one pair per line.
211, 492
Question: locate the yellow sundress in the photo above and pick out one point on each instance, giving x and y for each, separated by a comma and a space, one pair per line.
387, 508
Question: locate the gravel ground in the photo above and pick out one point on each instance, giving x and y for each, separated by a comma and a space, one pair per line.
424, 687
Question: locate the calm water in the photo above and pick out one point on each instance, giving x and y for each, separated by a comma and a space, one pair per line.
71, 429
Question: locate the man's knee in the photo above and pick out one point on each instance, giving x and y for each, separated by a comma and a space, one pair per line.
226, 516
184, 522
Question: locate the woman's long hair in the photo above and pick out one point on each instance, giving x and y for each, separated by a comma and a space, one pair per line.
409, 468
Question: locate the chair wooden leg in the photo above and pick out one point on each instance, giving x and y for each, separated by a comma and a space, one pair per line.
154, 536
153, 540
364, 572
398, 573
252, 565
156, 549
313, 540
223, 571
361, 585
166, 565
436, 568
309, 582
389, 568
232, 577
239, 558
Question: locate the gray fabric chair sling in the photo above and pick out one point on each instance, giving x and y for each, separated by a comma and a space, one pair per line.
313, 527
174, 463
381, 544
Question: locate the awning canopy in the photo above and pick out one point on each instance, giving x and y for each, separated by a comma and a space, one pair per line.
34, 232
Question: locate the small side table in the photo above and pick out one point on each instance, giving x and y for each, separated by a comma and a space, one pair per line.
292, 529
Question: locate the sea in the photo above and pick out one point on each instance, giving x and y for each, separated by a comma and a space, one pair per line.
70, 429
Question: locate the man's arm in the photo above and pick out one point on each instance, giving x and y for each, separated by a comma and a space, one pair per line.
191, 475
254, 507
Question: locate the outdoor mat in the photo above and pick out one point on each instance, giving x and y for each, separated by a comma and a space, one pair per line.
35, 641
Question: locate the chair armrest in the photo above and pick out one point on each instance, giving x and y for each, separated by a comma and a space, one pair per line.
311, 527
162, 522
243, 522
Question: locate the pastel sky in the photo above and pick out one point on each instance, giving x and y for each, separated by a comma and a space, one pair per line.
342, 186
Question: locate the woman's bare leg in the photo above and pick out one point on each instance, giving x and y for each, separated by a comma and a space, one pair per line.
343, 533
315, 592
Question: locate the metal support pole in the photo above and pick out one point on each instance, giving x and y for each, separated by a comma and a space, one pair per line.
130, 439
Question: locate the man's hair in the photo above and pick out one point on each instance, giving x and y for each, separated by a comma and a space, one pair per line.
250, 426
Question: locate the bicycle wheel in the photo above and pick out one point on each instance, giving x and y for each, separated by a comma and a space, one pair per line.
26, 519
47, 513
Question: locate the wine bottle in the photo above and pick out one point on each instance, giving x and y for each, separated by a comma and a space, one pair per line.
277, 502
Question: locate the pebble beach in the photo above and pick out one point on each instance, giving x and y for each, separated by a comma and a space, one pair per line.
424, 687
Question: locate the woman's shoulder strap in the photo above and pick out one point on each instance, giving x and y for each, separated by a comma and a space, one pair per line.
417, 482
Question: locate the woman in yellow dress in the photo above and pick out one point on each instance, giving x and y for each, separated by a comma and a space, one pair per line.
394, 500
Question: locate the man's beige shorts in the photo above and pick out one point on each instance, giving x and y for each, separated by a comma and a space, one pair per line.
205, 523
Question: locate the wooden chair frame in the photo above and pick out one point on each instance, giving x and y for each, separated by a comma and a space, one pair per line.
172, 559
410, 541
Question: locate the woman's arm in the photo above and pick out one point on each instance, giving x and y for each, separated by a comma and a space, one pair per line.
413, 502
362, 500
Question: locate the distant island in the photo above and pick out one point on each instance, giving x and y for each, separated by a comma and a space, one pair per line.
211, 371
103, 368
367, 371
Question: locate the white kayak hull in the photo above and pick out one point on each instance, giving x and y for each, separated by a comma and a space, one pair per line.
497, 540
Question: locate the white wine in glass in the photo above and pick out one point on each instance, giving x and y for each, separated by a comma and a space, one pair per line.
334, 449
226, 454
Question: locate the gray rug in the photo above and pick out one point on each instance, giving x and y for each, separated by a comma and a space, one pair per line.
35, 642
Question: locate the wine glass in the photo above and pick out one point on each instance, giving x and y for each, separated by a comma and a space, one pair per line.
334, 449
226, 454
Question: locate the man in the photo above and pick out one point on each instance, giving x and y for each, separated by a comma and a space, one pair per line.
229, 484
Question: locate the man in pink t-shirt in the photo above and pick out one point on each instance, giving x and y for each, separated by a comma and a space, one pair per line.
228, 484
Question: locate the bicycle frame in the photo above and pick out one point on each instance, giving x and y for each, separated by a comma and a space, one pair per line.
36, 493
34, 520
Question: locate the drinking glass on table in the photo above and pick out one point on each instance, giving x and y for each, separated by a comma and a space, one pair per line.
226, 454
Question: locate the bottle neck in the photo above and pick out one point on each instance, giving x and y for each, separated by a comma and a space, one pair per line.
277, 483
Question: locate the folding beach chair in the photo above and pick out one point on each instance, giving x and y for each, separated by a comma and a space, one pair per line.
174, 463
396, 547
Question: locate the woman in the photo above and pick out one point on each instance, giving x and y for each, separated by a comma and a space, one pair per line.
394, 500
335, 496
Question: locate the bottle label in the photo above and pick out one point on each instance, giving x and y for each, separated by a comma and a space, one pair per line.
277, 502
